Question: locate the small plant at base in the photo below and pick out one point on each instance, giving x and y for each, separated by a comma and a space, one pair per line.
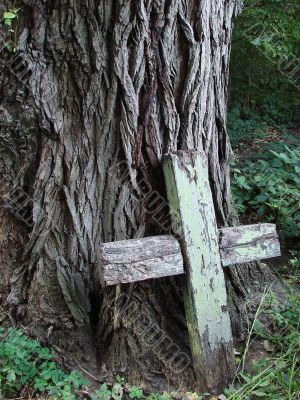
25, 364
117, 391
103, 393
120, 380
135, 392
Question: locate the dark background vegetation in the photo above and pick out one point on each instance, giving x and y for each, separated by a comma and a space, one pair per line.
264, 117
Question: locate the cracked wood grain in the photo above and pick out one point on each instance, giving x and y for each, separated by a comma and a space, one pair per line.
138, 259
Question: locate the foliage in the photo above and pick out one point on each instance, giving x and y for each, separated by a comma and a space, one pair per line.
275, 377
135, 392
264, 71
245, 129
28, 369
264, 96
24, 363
9, 16
119, 388
291, 272
269, 187
9, 20
103, 393
294, 266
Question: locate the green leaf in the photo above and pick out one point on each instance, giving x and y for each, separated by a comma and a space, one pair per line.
135, 392
8, 22
9, 15
282, 156
259, 394
261, 198
103, 393
256, 41
120, 379
11, 376
117, 391
277, 163
264, 383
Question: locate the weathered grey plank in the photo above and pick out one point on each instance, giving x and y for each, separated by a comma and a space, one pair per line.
239, 235
149, 269
248, 243
139, 259
192, 211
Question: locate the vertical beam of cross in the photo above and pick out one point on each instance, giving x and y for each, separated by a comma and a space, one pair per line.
205, 299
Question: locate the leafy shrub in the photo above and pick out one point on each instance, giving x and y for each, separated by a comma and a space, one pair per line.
277, 111
25, 363
265, 50
27, 369
244, 129
269, 187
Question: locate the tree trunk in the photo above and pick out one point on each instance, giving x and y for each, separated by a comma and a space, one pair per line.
113, 86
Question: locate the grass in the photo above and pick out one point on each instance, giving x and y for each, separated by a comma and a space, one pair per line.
277, 376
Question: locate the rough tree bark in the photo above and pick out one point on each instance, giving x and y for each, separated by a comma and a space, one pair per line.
114, 85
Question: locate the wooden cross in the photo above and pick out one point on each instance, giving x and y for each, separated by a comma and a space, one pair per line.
201, 253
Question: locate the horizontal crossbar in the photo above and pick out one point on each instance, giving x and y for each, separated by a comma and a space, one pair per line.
160, 256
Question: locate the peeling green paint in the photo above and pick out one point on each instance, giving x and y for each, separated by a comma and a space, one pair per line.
205, 298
